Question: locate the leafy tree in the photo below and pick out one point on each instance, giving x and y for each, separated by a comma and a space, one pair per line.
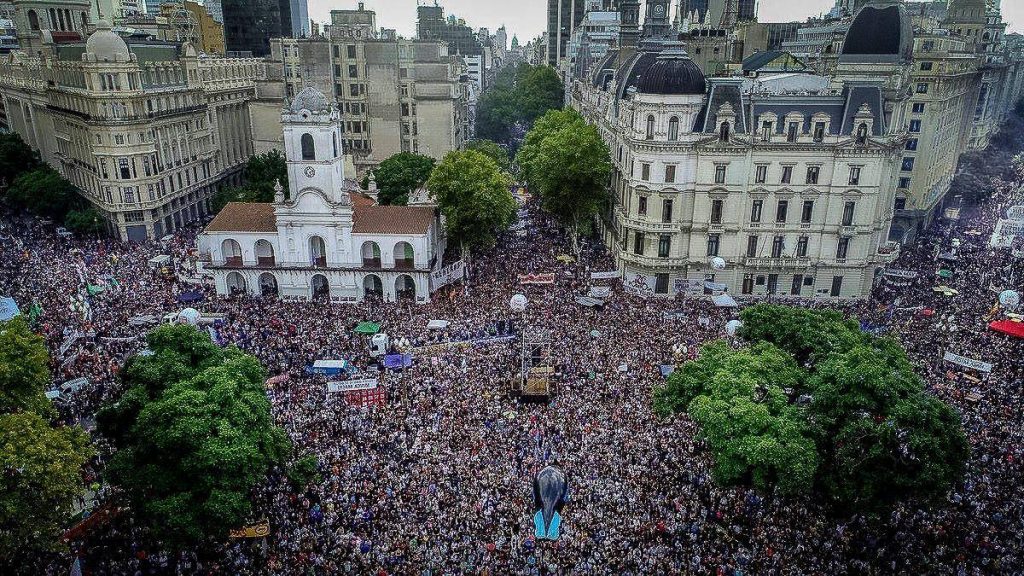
40, 478
809, 335
303, 471
400, 175
44, 192
87, 221
494, 151
519, 97
24, 369
16, 157
567, 164
261, 173
194, 435
539, 89
474, 197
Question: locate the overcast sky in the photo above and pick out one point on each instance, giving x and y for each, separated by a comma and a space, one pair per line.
526, 18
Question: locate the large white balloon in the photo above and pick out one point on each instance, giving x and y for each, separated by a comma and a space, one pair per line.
732, 326
518, 302
718, 263
1009, 299
189, 316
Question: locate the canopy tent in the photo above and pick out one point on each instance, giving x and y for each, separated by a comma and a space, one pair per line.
1008, 327
437, 324
945, 273
8, 308
188, 297
94, 289
367, 328
724, 301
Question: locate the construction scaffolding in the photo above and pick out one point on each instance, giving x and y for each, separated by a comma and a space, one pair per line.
537, 369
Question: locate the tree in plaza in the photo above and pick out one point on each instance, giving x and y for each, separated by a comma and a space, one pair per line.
567, 164
194, 435
262, 172
24, 369
400, 175
474, 197
494, 151
44, 192
539, 89
40, 477
87, 221
814, 403
16, 157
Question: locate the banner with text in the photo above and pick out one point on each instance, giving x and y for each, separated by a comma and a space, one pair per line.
546, 278
349, 385
451, 273
967, 362
610, 275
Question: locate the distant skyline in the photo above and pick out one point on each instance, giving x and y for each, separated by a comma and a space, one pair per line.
527, 18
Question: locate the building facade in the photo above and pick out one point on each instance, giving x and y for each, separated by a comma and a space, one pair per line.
146, 130
321, 240
563, 18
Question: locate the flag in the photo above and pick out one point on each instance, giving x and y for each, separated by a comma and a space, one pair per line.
76, 567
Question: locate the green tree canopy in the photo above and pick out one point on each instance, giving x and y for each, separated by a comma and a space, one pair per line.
400, 175
474, 197
815, 403
44, 192
16, 157
40, 475
24, 369
520, 96
87, 221
201, 437
494, 151
261, 173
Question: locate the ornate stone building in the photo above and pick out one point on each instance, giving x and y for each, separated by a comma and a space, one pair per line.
323, 239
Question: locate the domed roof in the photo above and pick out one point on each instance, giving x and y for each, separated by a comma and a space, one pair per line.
673, 74
104, 44
881, 32
309, 99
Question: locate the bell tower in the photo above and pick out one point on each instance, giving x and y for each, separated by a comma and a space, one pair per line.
656, 20
312, 146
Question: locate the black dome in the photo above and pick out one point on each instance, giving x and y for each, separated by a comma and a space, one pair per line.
879, 33
672, 74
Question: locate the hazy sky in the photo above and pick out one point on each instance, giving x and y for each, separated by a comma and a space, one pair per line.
526, 18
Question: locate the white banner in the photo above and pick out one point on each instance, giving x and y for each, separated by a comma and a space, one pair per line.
600, 291
906, 274
967, 362
687, 285
349, 385
611, 275
451, 273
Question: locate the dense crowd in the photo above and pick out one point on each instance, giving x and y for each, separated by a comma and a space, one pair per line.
435, 480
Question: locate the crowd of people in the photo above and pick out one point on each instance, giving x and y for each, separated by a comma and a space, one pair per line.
436, 478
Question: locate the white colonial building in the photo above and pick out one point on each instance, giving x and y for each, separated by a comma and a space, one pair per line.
324, 239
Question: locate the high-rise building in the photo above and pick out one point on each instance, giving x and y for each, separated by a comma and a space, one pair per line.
299, 16
432, 25
563, 17
250, 24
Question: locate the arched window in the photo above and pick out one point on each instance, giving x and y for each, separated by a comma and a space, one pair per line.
650, 127
673, 129
232, 252
862, 133
33, 20
308, 149
723, 132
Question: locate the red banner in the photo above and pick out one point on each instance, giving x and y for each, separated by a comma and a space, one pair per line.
546, 278
366, 398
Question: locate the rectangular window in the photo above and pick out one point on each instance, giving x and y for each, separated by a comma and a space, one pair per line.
837, 285
848, 209
787, 174
780, 210
666, 211
638, 243
773, 283
801, 246
842, 247
911, 144
664, 245
808, 210
918, 108
353, 89
661, 283
798, 283
915, 126
762, 174
353, 71
793, 132
777, 245
122, 165
751, 246
755, 210
720, 174
922, 88
716, 211
670, 174
748, 284
854, 175
645, 172
713, 241
926, 66
351, 49
812, 174
901, 204
908, 164
904, 183
766, 131
641, 207
819, 131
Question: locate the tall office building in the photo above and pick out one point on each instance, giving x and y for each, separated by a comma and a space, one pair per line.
563, 17
299, 10
250, 24
432, 25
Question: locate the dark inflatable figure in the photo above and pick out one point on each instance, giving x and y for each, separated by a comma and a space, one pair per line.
550, 493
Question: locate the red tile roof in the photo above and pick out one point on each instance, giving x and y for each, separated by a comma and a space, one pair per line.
244, 217
392, 219
359, 199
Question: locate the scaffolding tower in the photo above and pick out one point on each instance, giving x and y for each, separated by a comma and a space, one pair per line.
537, 369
